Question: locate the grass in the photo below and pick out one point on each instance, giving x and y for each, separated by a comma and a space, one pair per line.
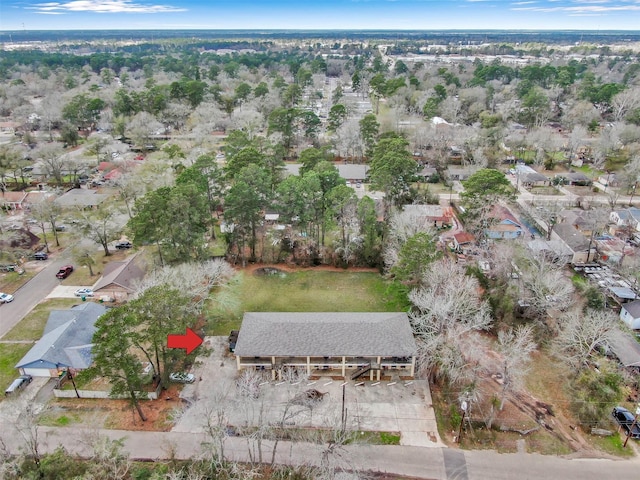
545, 191
32, 326
308, 291
59, 419
613, 445
10, 354
12, 281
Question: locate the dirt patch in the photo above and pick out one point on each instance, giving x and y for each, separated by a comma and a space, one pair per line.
119, 414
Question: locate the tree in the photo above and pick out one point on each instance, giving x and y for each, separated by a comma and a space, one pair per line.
54, 161
83, 256
337, 116
100, 226
482, 191
545, 285
369, 130
392, 169
535, 108
448, 310
309, 158
114, 358
582, 335
415, 257
515, 346
368, 224
47, 213
155, 313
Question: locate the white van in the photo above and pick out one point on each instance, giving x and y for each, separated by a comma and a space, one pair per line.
18, 384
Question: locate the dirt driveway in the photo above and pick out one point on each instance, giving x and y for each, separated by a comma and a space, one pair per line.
390, 406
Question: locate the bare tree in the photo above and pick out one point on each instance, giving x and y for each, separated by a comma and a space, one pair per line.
54, 161
582, 334
100, 226
194, 280
546, 285
625, 101
449, 309
47, 212
516, 346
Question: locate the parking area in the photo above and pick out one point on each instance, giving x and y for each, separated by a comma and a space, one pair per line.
396, 405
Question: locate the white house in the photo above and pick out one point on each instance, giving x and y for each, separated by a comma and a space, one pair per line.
630, 314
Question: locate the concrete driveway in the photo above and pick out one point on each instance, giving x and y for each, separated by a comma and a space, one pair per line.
390, 406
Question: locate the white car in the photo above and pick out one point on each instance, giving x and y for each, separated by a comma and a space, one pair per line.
83, 292
5, 298
180, 377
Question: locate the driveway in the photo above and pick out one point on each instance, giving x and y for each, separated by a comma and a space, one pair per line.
391, 406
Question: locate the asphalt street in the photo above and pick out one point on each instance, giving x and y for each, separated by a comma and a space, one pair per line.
31, 293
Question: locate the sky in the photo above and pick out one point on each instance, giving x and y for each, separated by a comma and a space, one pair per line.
320, 14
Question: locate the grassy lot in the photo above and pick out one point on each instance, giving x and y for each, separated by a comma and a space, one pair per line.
545, 191
10, 354
307, 291
12, 281
32, 326
613, 445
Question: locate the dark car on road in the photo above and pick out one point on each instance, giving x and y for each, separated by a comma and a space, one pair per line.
123, 245
625, 418
64, 272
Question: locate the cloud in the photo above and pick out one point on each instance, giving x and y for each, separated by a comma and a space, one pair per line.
101, 6
524, 3
584, 7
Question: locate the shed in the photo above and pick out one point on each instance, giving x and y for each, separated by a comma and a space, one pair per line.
630, 314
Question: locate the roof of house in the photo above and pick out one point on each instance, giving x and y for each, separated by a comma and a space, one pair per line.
67, 339
578, 218
571, 237
576, 177
327, 334
464, 237
624, 346
353, 171
430, 212
633, 308
122, 274
505, 216
623, 292
12, 197
81, 197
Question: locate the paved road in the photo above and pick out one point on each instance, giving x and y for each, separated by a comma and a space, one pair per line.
424, 463
31, 293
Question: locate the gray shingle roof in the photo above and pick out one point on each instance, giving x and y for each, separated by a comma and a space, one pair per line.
66, 340
326, 334
633, 308
123, 274
572, 237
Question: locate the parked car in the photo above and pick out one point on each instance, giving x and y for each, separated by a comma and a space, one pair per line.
40, 256
123, 245
83, 292
180, 377
5, 297
61, 228
64, 272
19, 383
625, 418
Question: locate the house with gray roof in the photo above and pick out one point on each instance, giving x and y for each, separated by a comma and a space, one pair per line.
66, 342
120, 279
81, 198
353, 343
571, 240
630, 314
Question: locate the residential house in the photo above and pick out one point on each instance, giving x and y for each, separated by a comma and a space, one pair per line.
609, 180
120, 279
528, 177
66, 342
22, 200
434, 216
575, 178
81, 198
579, 219
339, 343
460, 173
462, 241
506, 226
570, 240
627, 217
630, 314
348, 171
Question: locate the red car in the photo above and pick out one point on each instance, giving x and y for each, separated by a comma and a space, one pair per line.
64, 272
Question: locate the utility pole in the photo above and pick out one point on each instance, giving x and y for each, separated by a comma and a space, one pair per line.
633, 424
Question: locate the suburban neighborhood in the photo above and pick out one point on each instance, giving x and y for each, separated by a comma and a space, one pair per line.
319, 256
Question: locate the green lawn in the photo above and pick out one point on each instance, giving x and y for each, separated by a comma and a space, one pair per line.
307, 291
32, 326
10, 354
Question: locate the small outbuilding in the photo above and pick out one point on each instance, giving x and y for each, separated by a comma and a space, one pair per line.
341, 343
630, 314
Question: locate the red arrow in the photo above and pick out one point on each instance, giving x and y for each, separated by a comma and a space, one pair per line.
190, 340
